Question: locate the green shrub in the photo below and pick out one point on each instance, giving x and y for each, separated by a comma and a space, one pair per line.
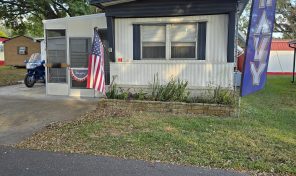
112, 93
223, 96
174, 90
217, 95
141, 95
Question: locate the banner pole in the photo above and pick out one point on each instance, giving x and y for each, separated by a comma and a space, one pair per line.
236, 63
239, 107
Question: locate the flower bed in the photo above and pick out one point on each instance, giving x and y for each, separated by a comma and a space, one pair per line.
169, 107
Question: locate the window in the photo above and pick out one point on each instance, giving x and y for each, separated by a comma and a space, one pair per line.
183, 41
22, 50
56, 54
56, 33
153, 42
170, 41
79, 52
1, 48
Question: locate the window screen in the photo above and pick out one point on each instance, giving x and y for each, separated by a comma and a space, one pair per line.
56, 53
79, 52
153, 42
183, 41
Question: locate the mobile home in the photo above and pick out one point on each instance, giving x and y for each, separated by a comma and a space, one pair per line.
193, 40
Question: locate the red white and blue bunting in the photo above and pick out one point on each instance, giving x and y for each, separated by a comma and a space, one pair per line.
79, 74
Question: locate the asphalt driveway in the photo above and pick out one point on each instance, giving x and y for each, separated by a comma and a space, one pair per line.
34, 163
24, 111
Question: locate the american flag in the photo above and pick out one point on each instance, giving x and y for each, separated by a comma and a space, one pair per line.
96, 75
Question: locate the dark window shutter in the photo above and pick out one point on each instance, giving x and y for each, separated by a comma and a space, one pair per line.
136, 42
202, 40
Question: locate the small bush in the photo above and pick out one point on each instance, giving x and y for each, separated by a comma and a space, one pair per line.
112, 93
223, 96
141, 95
174, 90
217, 95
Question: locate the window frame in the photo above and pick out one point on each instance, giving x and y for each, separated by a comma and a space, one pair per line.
141, 41
25, 51
168, 42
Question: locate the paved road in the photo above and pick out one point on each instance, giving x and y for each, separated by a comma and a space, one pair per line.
14, 162
24, 111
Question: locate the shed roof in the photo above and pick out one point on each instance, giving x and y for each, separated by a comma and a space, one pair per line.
3, 39
280, 45
18, 37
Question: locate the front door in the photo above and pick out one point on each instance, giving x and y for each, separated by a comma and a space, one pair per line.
79, 51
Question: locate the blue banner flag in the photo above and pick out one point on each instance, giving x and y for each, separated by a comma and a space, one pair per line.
258, 46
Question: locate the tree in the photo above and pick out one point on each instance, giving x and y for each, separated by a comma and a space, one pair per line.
24, 15
3, 32
285, 21
285, 18
243, 22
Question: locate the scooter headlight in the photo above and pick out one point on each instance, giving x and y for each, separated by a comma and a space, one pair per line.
31, 65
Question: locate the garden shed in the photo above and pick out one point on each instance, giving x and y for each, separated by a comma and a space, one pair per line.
281, 58
68, 44
193, 40
18, 49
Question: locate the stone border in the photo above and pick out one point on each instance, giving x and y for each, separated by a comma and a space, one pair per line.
170, 107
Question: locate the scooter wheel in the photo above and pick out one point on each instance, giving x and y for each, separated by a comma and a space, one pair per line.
29, 81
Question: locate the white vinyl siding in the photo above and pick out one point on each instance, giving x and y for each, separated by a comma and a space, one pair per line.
198, 73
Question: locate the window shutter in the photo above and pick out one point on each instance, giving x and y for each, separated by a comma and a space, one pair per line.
202, 39
136, 42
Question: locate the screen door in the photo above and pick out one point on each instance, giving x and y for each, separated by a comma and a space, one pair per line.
79, 50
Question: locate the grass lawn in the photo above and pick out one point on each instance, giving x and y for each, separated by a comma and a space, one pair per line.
10, 75
263, 139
